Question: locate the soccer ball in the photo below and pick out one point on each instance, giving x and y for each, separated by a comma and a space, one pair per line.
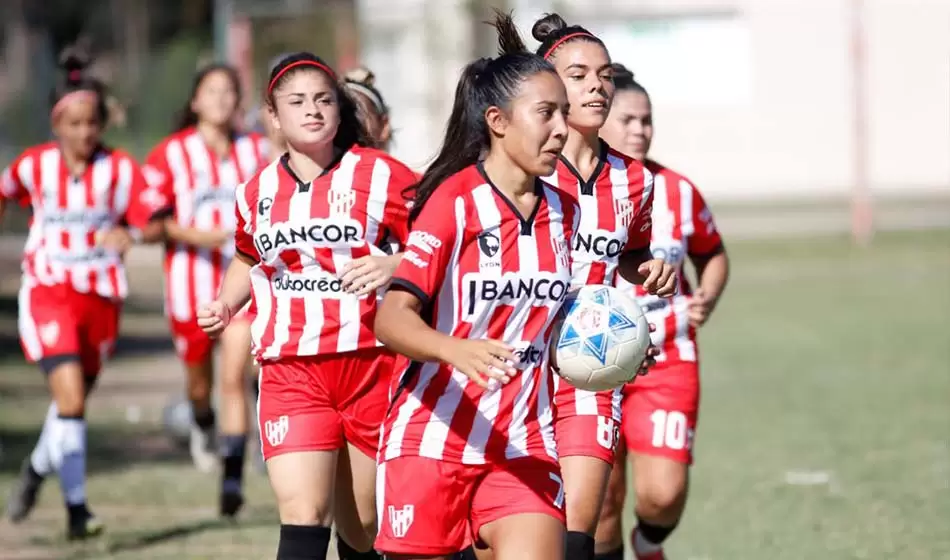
600, 338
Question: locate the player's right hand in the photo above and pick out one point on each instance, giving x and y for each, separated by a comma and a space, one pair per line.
482, 360
650, 360
213, 318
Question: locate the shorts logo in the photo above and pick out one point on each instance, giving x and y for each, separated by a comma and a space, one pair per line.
400, 520
489, 243
276, 430
49, 333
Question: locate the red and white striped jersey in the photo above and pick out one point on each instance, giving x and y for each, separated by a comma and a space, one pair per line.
197, 187
615, 205
484, 271
70, 213
682, 226
302, 235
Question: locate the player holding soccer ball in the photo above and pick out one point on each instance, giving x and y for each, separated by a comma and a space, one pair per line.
660, 410
615, 194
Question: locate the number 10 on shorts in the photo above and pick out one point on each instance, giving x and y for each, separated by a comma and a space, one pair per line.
670, 429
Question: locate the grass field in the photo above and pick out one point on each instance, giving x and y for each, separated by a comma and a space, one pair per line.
824, 433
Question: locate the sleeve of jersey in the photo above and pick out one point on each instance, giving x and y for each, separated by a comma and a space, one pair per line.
11, 187
705, 237
159, 192
243, 240
641, 228
429, 248
396, 215
142, 206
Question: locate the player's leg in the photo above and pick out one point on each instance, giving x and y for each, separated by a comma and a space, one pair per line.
609, 538
587, 430
235, 357
195, 350
517, 511
661, 452
363, 399
301, 436
424, 521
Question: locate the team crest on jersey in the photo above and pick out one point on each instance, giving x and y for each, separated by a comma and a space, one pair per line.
340, 200
49, 333
276, 430
400, 519
489, 243
623, 208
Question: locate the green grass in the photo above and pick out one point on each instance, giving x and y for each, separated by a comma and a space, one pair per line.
822, 358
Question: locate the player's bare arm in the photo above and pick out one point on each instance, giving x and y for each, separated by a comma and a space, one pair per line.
204, 238
712, 270
655, 275
367, 274
235, 293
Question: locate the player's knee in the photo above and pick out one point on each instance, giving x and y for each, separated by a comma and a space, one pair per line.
232, 385
300, 512
661, 497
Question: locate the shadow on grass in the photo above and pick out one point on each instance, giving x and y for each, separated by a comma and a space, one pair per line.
108, 450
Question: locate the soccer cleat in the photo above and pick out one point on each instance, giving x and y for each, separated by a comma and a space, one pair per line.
84, 526
23, 497
231, 503
203, 450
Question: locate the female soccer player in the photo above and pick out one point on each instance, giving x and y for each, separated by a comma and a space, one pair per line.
310, 228
361, 84
88, 209
468, 451
615, 194
659, 410
195, 173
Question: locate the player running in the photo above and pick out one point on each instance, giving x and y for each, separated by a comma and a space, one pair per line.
310, 228
468, 450
615, 194
360, 83
660, 409
195, 173
88, 205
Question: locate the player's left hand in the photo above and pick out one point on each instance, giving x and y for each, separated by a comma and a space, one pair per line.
660, 277
117, 239
700, 306
365, 274
650, 360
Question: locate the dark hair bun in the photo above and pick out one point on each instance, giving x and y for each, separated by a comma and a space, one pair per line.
547, 26
74, 60
361, 75
621, 72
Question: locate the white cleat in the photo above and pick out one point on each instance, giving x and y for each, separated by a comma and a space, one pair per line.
203, 451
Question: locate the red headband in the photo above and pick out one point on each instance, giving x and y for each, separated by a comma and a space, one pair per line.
567, 37
314, 63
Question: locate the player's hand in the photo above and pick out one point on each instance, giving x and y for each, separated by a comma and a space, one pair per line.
650, 360
117, 239
660, 277
699, 308
363, 275
213, 318
481, 360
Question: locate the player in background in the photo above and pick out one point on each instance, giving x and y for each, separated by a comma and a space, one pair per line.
195, 173
660, 409
468, 453
360, 83
310, 230
615, 194
89, 207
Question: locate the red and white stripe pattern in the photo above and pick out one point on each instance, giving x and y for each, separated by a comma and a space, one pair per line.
682, 226
615, 205
70, 214
486, 273
198, 187
303, 235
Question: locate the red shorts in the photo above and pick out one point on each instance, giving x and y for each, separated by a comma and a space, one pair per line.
59, 323
428, 507
660, 411
586, 424
319, 403
191, 343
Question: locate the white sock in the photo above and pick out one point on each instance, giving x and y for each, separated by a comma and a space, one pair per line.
643, 546
40, 458
69, 458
